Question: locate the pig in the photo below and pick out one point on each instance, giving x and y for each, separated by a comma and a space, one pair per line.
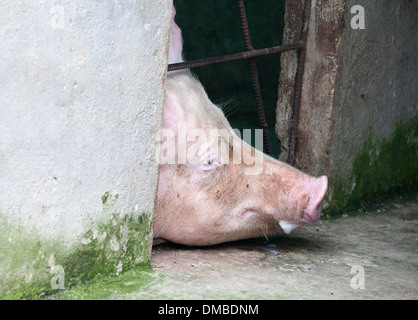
216, 188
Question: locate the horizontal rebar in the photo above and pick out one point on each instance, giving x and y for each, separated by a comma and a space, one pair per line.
234, 57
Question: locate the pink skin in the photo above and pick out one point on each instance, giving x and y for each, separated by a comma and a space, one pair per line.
208, 202
176, 46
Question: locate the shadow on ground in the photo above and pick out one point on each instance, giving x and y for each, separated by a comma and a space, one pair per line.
370, 256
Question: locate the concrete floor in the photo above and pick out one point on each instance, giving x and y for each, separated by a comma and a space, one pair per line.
373, 255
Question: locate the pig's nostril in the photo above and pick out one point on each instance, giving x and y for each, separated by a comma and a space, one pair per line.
319, 210
319, 189
313, 213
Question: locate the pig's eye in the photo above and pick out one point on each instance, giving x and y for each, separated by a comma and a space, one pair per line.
210, 164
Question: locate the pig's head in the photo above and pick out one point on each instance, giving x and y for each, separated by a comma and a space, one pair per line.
213, 187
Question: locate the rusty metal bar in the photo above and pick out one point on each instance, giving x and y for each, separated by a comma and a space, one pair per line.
295, 113
254, 77
250, 55
233, 57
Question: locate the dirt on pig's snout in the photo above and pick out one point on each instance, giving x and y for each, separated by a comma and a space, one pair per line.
213, 186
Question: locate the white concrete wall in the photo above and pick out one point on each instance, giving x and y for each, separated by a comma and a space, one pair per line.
81, 98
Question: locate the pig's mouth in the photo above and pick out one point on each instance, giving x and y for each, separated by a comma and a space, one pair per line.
275, 221
287, 227
309, 215
271, 225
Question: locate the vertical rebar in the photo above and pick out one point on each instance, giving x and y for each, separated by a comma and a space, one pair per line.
254, 77
297, 98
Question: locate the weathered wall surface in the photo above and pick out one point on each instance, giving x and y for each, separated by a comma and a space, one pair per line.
320, 72
374, 146
288, 69
359, 101
81, 98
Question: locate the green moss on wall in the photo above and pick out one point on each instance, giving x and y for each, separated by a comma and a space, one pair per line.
105, 286
380, 170
113, 247
24, 270
32, 266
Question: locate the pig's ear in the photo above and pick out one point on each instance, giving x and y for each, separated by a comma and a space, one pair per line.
173, 113
176, 42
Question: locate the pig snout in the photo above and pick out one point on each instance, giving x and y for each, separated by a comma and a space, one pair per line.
316, 197
313, 190
292, 198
